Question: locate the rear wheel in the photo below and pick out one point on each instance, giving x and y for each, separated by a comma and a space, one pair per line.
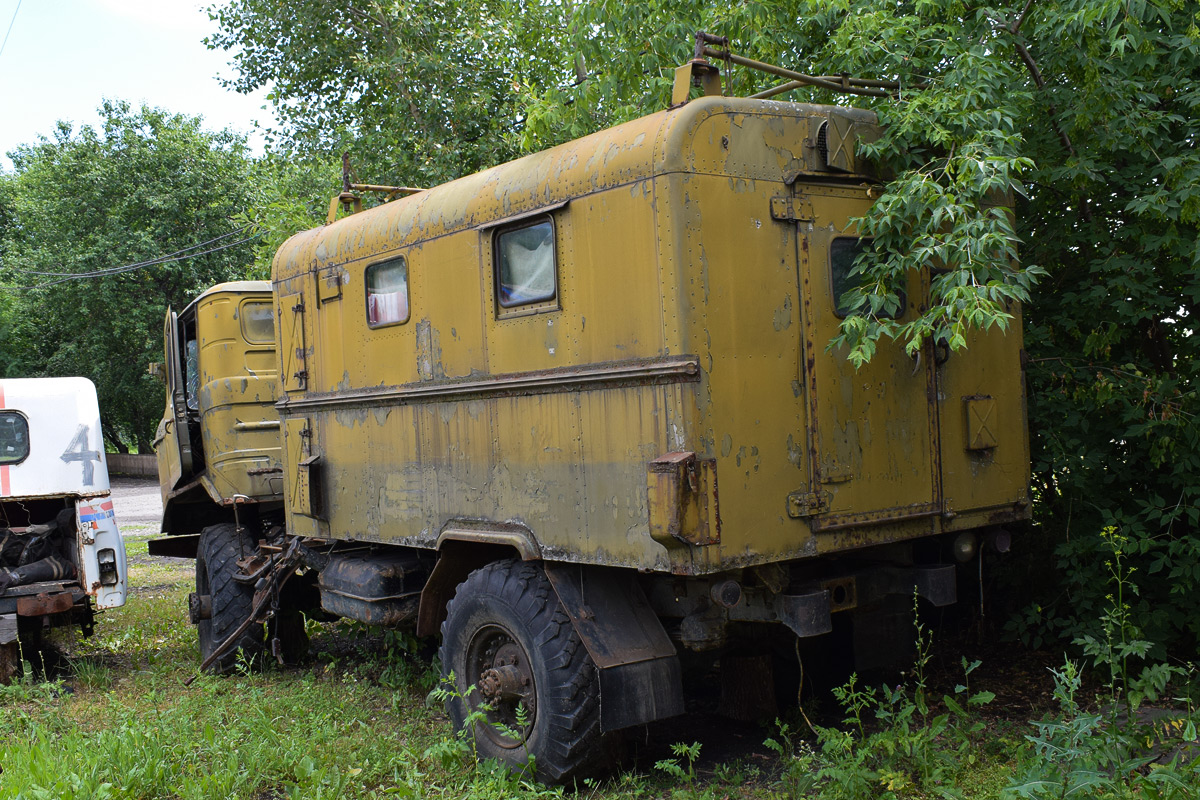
516, 660
229, 602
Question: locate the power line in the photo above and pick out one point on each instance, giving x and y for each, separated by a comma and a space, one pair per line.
10, 26
126, 267
142, 265
130, 267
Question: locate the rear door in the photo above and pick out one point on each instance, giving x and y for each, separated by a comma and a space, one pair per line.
872, 431
293, 351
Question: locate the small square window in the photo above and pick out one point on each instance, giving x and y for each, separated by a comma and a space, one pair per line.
843, 252
387, 293
14, 437
525, 270
258, 322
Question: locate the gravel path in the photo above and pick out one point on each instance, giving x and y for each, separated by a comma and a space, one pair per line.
138, 505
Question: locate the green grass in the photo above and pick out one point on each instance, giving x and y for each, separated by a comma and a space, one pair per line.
120, 723
355, 722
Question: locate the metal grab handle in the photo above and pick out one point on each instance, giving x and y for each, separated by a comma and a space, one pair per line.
941, 353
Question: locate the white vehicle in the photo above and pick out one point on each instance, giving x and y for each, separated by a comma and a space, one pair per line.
61, 555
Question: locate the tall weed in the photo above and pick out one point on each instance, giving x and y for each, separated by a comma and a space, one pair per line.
1120, 648
1083, 754
890, 744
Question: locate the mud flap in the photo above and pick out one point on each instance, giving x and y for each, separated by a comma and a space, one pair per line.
640, 678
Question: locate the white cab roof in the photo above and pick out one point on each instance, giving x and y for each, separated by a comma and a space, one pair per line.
65, 448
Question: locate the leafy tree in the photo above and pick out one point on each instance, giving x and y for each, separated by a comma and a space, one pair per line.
421, 92
6, 201
1114, 213
145, 187
1083, 111
1086, 112
293, 194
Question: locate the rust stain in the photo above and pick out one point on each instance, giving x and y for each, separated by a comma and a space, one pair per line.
45, 603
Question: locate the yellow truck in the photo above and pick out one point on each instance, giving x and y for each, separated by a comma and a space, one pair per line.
578, 414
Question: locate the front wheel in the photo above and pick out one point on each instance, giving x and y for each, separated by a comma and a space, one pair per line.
227, 602
523, 684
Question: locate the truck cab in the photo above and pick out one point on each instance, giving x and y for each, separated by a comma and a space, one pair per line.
61, 554
218, 442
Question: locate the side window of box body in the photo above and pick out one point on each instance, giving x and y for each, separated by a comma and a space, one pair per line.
387, 292
843, 252
525, 267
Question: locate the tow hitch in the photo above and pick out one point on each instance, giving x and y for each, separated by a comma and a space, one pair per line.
269, 571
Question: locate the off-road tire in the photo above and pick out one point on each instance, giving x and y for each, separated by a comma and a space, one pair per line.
562, 733
216, 563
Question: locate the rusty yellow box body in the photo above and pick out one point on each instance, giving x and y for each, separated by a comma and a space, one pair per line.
587, 398
616, 352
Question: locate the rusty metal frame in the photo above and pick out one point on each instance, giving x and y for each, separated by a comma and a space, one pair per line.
881, 517
843, 83
524, 215
682, 369
351, 202
45, 603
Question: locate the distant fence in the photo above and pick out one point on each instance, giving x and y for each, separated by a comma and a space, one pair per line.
132, 464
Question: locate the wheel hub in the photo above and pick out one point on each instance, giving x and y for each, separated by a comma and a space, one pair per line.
199, 607
505, 686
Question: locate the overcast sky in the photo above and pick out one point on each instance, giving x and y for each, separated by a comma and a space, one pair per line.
63, 57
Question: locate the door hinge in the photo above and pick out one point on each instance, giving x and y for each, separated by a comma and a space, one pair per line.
791, 209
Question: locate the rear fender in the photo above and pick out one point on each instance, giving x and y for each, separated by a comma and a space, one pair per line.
102, 567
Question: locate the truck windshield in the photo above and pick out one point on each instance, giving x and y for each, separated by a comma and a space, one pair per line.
191, 369
14, 437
